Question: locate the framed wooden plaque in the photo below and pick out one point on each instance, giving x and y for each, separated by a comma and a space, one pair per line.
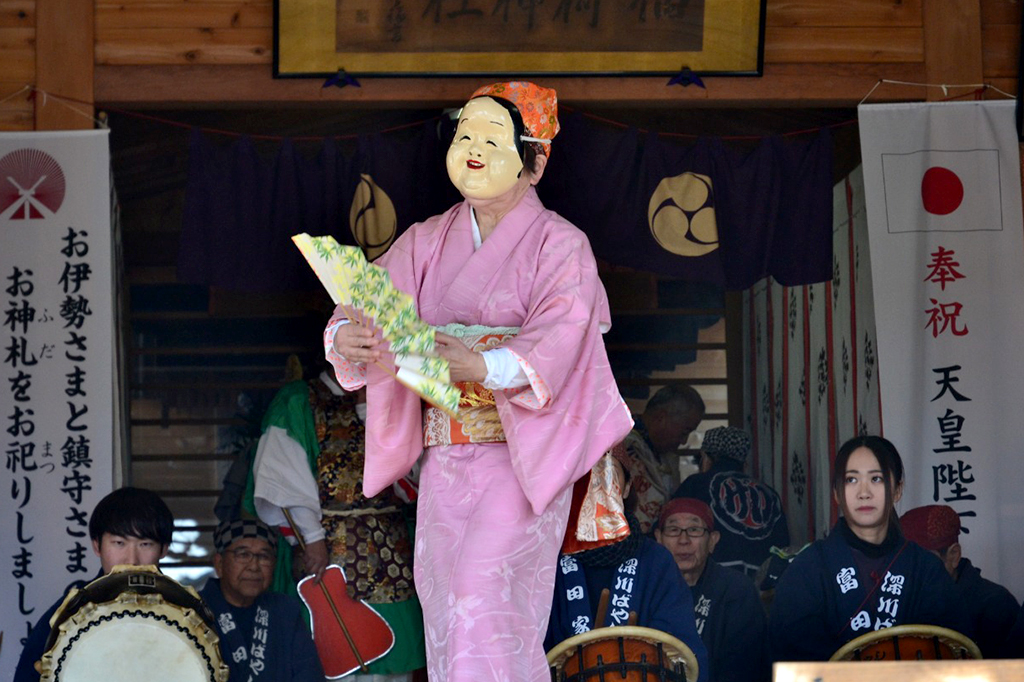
316, 38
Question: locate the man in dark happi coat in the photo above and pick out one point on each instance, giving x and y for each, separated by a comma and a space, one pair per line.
640, 576
748, 513
993, 610
263, 635
727, 608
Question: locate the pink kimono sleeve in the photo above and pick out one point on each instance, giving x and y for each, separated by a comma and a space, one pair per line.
351, 375
573, 412
537, 394
567, 307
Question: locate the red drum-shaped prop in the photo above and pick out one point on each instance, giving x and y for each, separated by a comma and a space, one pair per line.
369, 632
623, 654
908, 643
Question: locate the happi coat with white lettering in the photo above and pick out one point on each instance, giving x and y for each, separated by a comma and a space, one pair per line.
648, 583
841, 588
268, 640
491, 516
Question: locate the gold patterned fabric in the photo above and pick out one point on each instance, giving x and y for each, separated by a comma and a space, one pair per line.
478, 420
369, 537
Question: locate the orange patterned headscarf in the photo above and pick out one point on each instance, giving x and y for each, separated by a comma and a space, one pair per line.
537, 105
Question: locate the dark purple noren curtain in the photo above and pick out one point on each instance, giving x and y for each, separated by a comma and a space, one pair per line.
773, 204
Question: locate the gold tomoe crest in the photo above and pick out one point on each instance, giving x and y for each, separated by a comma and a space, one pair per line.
681, 215
372, 217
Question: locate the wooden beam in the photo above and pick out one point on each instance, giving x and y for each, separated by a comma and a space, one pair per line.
17, 13
807, 85
814, 44
18, 54
184, 13
1000, 47
856, 13
1000, 12
952, 43
64, 63
905, 671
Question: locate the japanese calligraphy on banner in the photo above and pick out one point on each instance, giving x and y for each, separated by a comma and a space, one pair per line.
943, 191
56, 394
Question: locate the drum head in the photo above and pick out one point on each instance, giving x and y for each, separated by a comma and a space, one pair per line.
132, 636
908, 642
675, 651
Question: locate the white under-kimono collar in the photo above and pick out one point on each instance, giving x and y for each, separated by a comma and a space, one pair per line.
477, 239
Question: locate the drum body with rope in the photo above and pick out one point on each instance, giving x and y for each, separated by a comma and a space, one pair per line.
908, 643
132, 624
625, 653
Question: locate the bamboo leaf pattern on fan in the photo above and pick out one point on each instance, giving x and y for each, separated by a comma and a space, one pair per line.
444, 396
353, 282
436, 368
322, 249
422, 342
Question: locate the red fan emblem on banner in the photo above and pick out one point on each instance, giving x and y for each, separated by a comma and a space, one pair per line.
31, 185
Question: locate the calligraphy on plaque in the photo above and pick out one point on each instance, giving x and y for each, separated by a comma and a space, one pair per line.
517, 37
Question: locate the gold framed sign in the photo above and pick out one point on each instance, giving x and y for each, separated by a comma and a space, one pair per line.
517, 37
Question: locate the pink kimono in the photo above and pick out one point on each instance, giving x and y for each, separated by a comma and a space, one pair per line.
492, 516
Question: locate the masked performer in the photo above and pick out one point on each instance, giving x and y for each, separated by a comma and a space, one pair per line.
520, 284
865, 575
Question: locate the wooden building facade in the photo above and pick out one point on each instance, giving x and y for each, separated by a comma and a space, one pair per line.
199, 56
147, 53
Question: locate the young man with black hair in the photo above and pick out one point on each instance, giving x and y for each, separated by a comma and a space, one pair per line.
130, 526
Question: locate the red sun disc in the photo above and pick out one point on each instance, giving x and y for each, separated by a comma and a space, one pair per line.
941, 191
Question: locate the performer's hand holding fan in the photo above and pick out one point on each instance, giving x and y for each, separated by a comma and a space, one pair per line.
366, 294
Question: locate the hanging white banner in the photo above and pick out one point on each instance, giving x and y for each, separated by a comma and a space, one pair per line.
943, 191
56, 392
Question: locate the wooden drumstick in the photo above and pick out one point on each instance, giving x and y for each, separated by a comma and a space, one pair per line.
633, 618
327, 595
602, 608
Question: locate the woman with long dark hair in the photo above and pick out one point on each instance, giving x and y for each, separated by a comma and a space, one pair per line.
865, 575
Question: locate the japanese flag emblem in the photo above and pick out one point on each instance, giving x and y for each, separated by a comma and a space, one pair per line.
942, 191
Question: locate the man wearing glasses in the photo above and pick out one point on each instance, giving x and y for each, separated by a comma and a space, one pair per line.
263, 635
728, 611
643, 586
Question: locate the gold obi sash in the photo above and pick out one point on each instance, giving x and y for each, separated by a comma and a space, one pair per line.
478, 420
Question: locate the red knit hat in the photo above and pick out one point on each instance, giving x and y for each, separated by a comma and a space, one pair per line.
934, 526
687, 505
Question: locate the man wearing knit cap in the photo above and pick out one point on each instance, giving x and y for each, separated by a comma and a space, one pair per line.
263, 635
747, 512
728, 611
936, 528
